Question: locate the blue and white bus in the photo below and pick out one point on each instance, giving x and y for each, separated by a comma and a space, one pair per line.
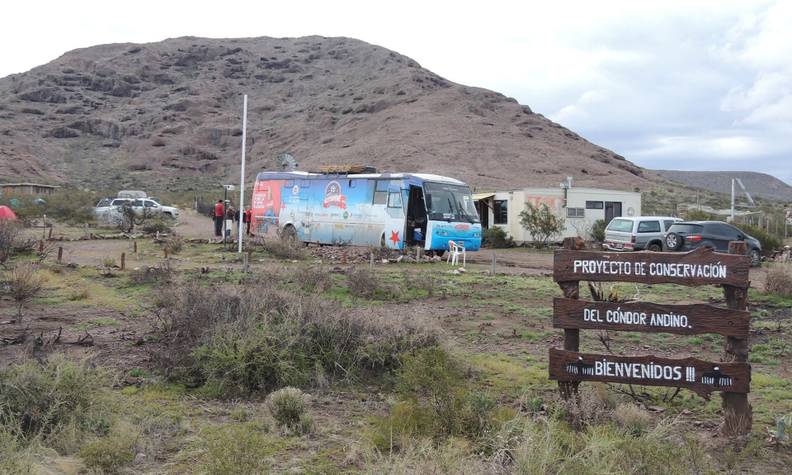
393, 210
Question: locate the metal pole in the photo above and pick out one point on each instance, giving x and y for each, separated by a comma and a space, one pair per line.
732, 202
225, 203
242, 171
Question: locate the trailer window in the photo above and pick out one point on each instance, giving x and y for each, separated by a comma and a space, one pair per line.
501, 211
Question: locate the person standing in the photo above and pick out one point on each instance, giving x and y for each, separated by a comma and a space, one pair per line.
247, 218
219, 214
230, 217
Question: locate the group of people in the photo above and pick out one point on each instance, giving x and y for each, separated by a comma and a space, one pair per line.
224, 212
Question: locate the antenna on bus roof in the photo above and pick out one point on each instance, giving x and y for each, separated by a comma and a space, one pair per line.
286, 162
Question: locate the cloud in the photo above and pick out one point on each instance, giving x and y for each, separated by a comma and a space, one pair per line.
690, 83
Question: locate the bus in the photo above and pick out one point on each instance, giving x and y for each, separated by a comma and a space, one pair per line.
392, 210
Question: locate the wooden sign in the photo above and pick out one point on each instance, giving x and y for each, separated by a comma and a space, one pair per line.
650, 317
698, 267
699, 376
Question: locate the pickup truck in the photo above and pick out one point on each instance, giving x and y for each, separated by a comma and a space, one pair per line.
109, 209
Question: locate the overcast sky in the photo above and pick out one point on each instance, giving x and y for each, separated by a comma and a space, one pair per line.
684, 85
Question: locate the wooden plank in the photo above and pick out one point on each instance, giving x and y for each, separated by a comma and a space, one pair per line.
650, 317
698, 267
701, 377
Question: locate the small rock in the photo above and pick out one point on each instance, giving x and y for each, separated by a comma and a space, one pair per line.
139, 458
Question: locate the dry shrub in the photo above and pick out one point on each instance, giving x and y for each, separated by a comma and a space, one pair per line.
152, 274
365, 284
156, 225
242, 340
589, 408
280, 248
43, 401
9, 236
632, 418
173, 244
313, 279
24, 284
779, 280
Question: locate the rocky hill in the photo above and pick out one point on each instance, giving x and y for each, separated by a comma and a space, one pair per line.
757, 184
167, 114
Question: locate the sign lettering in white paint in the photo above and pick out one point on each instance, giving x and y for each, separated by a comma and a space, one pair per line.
654, 269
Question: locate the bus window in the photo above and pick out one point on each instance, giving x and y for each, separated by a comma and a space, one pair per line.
380, 192
394, 200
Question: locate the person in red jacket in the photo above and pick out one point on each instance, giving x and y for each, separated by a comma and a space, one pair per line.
247, 218
219, 214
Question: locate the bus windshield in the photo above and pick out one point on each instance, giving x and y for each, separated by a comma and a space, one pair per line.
450, 203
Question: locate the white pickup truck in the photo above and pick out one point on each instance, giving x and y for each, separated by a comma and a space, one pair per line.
109, 209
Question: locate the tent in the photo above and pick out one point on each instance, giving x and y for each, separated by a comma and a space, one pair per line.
6, 213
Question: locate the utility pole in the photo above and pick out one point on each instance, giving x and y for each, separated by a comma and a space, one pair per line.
242, 172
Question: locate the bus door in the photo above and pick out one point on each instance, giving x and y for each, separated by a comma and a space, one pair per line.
416, 215
395, 217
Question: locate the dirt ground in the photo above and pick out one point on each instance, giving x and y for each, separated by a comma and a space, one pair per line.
501, 324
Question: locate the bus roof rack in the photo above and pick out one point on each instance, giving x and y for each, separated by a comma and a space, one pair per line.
346, 168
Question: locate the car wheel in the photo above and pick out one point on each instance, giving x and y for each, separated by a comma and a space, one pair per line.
673, 241
654, 247
756, 257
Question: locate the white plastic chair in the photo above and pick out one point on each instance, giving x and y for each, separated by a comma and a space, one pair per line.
455, 249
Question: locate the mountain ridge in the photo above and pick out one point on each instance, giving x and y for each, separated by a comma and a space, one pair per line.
168, 114
758, 184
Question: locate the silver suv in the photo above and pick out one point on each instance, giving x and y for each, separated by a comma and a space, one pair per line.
637, 233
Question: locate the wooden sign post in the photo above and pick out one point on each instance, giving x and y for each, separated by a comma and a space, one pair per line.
731, 377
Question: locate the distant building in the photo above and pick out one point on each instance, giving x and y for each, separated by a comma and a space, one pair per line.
580, 208
34, 189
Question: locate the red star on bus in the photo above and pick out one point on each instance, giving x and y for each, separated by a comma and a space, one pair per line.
394, 237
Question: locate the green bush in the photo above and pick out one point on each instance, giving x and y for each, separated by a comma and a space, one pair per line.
541, 223
769, 242
436, 402
287, 406
238, 341
44, 400
236, 449
69, 205
698, 215
598, 230
110, 453
496, 238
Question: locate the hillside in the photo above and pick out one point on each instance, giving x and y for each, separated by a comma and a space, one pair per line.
167, 115
758, 184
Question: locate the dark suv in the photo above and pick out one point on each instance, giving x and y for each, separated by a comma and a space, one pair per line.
689, 235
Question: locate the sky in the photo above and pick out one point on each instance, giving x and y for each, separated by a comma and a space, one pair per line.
692, 85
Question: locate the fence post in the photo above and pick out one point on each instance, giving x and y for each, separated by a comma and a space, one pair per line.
134, 246
123, 260
60, 253
245, 257
571, 290
737, 412
493, 264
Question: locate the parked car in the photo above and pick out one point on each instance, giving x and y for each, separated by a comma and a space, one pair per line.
109, 209
637, 233
148, 206
716, 235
